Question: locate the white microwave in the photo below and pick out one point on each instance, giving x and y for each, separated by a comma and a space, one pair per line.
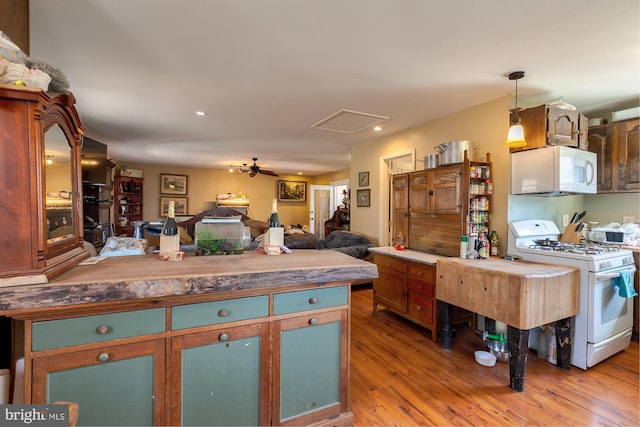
553, 171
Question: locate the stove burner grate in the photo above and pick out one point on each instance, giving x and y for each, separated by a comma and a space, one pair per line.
575, 248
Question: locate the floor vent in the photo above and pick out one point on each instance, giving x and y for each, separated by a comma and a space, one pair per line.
349, 122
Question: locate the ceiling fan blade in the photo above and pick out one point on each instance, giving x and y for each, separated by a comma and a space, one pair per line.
266, 172
253, 173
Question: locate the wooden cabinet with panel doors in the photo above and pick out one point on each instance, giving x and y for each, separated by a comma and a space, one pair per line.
617, 146
276, 357
41, 184
552, 125
408, 288
399, 208
112, 365
442, 204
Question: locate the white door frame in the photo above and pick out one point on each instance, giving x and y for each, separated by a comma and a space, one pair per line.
384, 235
312, 208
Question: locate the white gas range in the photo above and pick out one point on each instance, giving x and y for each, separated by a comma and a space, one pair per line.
604, 323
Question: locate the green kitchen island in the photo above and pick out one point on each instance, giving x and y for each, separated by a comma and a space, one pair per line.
245, 339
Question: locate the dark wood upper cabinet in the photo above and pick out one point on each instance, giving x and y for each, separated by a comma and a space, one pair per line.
41, 196
618, 148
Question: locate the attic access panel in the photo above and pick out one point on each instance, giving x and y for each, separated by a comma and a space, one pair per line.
349, 122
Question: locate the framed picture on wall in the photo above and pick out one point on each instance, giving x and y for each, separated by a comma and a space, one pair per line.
180, 205
363, 179
292, 191
363, 198
173, 184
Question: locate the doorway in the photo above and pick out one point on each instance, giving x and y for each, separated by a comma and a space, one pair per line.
323, 201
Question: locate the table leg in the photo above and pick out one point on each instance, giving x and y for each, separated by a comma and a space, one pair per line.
563, 342
518, 345
445, 323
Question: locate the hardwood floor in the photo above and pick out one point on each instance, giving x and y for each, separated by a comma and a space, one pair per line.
399, 377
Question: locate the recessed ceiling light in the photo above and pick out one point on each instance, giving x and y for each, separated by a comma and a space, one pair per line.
377, 128
200, 113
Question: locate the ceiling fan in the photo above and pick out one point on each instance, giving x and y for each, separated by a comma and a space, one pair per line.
255, 169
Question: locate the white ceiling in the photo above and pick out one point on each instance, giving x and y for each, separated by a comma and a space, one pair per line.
267, 70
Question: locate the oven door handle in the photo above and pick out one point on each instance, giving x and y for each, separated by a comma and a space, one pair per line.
606, 276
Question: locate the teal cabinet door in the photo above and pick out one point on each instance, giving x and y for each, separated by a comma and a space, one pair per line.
310, 370
218, 377
119, 385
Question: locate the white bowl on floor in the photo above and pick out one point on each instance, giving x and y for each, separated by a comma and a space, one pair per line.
485, 358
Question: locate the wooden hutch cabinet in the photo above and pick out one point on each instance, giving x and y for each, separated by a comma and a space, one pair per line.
443, 204
618, 148
41, 136
432, 208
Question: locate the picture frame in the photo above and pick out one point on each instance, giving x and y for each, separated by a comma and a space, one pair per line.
363, 179
364, 198
180, 205
292, 191
173, 184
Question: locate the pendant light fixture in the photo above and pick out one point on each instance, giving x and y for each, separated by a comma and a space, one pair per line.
515, 138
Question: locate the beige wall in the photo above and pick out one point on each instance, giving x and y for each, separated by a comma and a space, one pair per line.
204, 184
486, 125
328, 178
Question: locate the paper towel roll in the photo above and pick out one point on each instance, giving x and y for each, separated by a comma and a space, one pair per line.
5, 384
18, 386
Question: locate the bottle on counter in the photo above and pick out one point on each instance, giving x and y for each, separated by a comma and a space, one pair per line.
169, 237
464, 250
274, 220
495, 244
170, 228
483, 246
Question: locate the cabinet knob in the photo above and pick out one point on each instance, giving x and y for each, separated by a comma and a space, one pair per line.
419, 286
418, 307
313, 321
103, 357
223, 337
223, 313
101, 330
420, 273
313, 300
431, 192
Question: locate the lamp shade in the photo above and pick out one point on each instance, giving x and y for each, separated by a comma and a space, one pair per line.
515, 138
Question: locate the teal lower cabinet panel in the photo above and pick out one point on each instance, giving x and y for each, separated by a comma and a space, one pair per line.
312, 378
117, 385
221, 376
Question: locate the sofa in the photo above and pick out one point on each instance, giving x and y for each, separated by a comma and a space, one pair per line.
347, 242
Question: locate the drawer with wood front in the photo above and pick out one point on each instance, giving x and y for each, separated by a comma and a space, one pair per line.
390, 263
98, 328
292, 302
422, 309
218, 312
426, 272
423, 287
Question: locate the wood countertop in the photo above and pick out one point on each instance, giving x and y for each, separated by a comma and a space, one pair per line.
147, 276
408, 254
519, 293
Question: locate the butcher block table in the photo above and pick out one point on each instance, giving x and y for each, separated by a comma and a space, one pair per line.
521, 294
